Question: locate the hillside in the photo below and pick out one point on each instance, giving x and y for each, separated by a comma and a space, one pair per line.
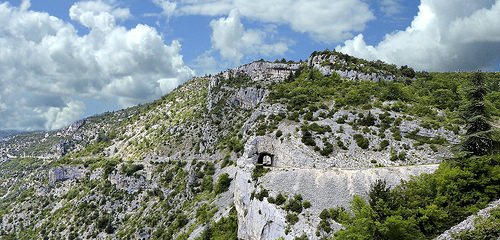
255, 152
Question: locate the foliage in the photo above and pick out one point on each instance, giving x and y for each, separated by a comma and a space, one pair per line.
485, 228
130, 169
306, 86
479, 138
426, 205
280, 199
292, 218
225, 229
361, 141
294, 204
223, 183
259, 171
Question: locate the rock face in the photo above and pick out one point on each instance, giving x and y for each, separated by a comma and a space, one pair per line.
323, 188
317, 62
59, 174
249, 97
263, 71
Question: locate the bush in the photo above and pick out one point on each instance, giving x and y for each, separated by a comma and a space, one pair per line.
223, 183
397, 135
327, 149
325, 214
259, 171
307, 138
295, 204
325, 226
384, 144
130, 169
485, 228
341, 144
433, 148
361, 141
262, 194
368, 120
280, 199
207, 184
225, 228
292, 218
279, 133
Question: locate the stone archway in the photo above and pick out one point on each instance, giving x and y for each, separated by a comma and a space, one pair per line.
265, 159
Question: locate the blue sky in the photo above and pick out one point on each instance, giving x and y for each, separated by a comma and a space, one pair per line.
194, 31
64, 60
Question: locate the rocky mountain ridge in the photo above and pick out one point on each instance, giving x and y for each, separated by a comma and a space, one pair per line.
222, 149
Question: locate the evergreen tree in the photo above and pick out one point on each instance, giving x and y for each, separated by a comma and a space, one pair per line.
479, 136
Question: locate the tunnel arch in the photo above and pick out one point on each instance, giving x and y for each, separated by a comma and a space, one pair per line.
265, 159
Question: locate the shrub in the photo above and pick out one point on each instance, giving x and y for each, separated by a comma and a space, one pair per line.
397, 135
325, 214
292, 218
327, 149
384, 144
259, 171
262, 194
433, 148
307, 138
295, 204
223, 183
207, 184
341, 144
225, 161
130, 169
361, 141
279, 133
368, 120
280, 199
325, 225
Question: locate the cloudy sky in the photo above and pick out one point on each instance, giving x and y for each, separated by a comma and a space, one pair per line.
64, 60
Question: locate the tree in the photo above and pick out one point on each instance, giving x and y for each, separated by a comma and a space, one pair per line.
479, 136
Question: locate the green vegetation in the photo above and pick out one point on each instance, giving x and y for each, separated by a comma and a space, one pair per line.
225, 229
223, 183
485, 228
361, 141
130, 169
259, 171
427, 204
479, 140
418, 96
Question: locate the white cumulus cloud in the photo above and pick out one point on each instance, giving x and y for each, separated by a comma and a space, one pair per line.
233, 41
444, 36
324, 20
48, 71
390, 7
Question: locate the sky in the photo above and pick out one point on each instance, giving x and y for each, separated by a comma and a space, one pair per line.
61, 61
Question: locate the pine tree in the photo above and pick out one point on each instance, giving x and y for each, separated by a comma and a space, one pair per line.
479, 136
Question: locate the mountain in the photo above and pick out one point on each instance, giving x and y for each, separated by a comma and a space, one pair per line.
263, 151
11, 133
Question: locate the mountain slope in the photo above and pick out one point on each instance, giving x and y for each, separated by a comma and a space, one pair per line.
221, 150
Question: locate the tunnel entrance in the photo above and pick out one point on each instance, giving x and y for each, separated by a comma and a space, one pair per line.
265, 159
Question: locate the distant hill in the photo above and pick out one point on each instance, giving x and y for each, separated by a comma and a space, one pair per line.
11, 133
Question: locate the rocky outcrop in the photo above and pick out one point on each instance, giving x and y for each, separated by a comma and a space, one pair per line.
263, 71
323, 188
59, 174
249, 97
325, 69
131, 184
